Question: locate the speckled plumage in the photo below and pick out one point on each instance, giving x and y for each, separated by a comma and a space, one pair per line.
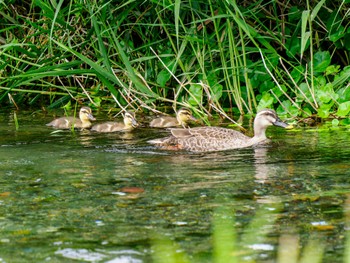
129, 124
182, 117
85, 115
205, 139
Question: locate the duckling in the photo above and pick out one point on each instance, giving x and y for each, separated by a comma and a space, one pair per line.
205, 139
85, 115
182, 117
129, 124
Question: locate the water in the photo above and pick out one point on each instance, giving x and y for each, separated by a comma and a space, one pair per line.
86, 197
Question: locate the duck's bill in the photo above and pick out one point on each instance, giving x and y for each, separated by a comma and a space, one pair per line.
280, 123
91, 117
193, 118
134, 123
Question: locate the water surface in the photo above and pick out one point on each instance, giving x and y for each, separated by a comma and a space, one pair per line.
87, 197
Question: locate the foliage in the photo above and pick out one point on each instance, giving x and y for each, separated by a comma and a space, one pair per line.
206, 55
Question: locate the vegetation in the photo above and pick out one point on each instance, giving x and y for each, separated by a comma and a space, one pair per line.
211, 56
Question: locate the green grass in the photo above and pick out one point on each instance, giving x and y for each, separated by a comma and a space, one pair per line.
212, 56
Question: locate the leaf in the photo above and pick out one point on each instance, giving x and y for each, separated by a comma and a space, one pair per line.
325, 94
297, 73
322, 60
305, 35
337, 34
216, 92
164, 75
177, 15
266, 101
323, 111
344, 94
343, 109
306, 93
215, 87
342, 78
196, 92
294, 46
278, 92
306, 112
294, 14
335, 122
288, 108
332, 70
316, 9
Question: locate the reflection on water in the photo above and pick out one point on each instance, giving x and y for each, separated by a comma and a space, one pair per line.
91, 197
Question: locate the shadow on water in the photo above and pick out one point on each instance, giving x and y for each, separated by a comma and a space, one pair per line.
102, 197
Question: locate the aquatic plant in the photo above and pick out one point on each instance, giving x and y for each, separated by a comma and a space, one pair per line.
207, 55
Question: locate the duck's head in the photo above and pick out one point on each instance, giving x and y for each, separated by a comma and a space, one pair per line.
184, 115
266, 118
130, 120
85, 114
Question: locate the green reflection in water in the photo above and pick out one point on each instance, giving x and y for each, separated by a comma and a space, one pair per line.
94, 198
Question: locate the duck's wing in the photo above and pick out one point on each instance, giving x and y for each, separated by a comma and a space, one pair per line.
65, 123
217, 133
164, 122
117, 126
107, 127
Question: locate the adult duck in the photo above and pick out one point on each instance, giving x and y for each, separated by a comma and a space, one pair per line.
207, 139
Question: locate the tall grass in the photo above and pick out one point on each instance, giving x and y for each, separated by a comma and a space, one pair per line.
221, 56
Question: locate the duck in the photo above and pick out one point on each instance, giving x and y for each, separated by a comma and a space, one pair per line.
128, 125
83, 122
211, 139
183, 115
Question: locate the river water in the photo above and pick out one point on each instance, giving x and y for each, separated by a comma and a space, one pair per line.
86, 197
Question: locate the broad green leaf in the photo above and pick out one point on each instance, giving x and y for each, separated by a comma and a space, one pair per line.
215, 87
266, 101
278, 92
306, 112
322, 60
337, 34
323, 113
343, 109
345, 122
335, 122
289, 108
320, 81
164, 75
305, 93
294, 14
332, 70
216, 92
324, 110
297, 73
294, 46
195, 92
325, 94
344, 94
